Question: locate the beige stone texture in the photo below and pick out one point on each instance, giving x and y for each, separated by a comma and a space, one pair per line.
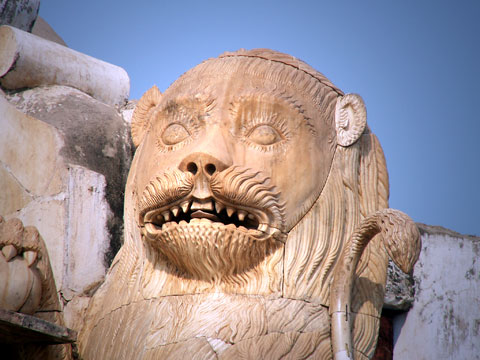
49, 216
26, 139
13, 196
256, 221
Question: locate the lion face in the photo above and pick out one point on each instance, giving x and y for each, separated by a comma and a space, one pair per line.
229, 163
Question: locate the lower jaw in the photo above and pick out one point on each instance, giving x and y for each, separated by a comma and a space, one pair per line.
209, 253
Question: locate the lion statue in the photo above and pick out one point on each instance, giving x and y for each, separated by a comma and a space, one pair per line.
256, 221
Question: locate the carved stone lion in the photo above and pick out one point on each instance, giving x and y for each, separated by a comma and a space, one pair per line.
254, 193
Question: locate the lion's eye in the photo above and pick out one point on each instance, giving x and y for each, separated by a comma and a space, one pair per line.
174, 134
264, 135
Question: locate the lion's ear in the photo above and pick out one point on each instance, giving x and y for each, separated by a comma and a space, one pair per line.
350, 119
142, 113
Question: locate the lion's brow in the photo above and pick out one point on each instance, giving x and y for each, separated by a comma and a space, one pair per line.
202, 103
289, 100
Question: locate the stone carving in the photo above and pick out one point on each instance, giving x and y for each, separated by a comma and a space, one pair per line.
256, 221
27, 284
21, 288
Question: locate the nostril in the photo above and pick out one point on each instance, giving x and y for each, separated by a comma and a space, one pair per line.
192, 167
210, 169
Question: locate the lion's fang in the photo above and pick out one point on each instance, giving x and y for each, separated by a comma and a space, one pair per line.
166, 215
175, 210
219, 207
241, 215
184, 206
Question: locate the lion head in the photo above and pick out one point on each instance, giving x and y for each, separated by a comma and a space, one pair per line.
232, 156
250, 173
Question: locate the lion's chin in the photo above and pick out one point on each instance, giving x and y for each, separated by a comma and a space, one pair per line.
207, 250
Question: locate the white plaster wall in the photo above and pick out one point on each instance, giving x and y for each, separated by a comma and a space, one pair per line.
444, 322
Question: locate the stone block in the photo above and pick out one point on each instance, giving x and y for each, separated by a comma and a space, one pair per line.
87, 235
444, 321
23, 140
22, 66
13, 196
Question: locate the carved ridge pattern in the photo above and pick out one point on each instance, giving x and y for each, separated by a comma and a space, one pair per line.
350, 119
314, 234
225, 252
143, 111
169, 187
243, 186
285, 59
299, 81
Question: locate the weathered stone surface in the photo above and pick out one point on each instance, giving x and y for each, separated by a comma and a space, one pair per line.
56, 165
88, 239
95, 137
13, 196
74, 310
50, 217
127, 111
20, 328
19, 13
22, 67
399, 290
444, 321
24, 138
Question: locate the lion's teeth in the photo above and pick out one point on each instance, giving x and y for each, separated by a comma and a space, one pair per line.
241, 215
166, 215
184, 206
175, 210
263, 227
219, 207
273, 231
183, 222
230, 211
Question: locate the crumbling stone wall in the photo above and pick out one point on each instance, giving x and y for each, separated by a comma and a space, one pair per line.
64, 159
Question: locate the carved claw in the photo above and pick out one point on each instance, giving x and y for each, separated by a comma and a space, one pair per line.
24, 268
9, 252
30, 257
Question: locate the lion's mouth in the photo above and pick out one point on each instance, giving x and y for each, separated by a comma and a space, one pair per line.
250, 220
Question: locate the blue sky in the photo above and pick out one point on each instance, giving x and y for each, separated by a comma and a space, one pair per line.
415, 63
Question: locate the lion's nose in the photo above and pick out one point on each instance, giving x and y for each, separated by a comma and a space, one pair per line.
199, 164
202, 166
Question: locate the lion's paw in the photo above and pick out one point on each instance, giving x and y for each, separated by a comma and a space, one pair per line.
20, 279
